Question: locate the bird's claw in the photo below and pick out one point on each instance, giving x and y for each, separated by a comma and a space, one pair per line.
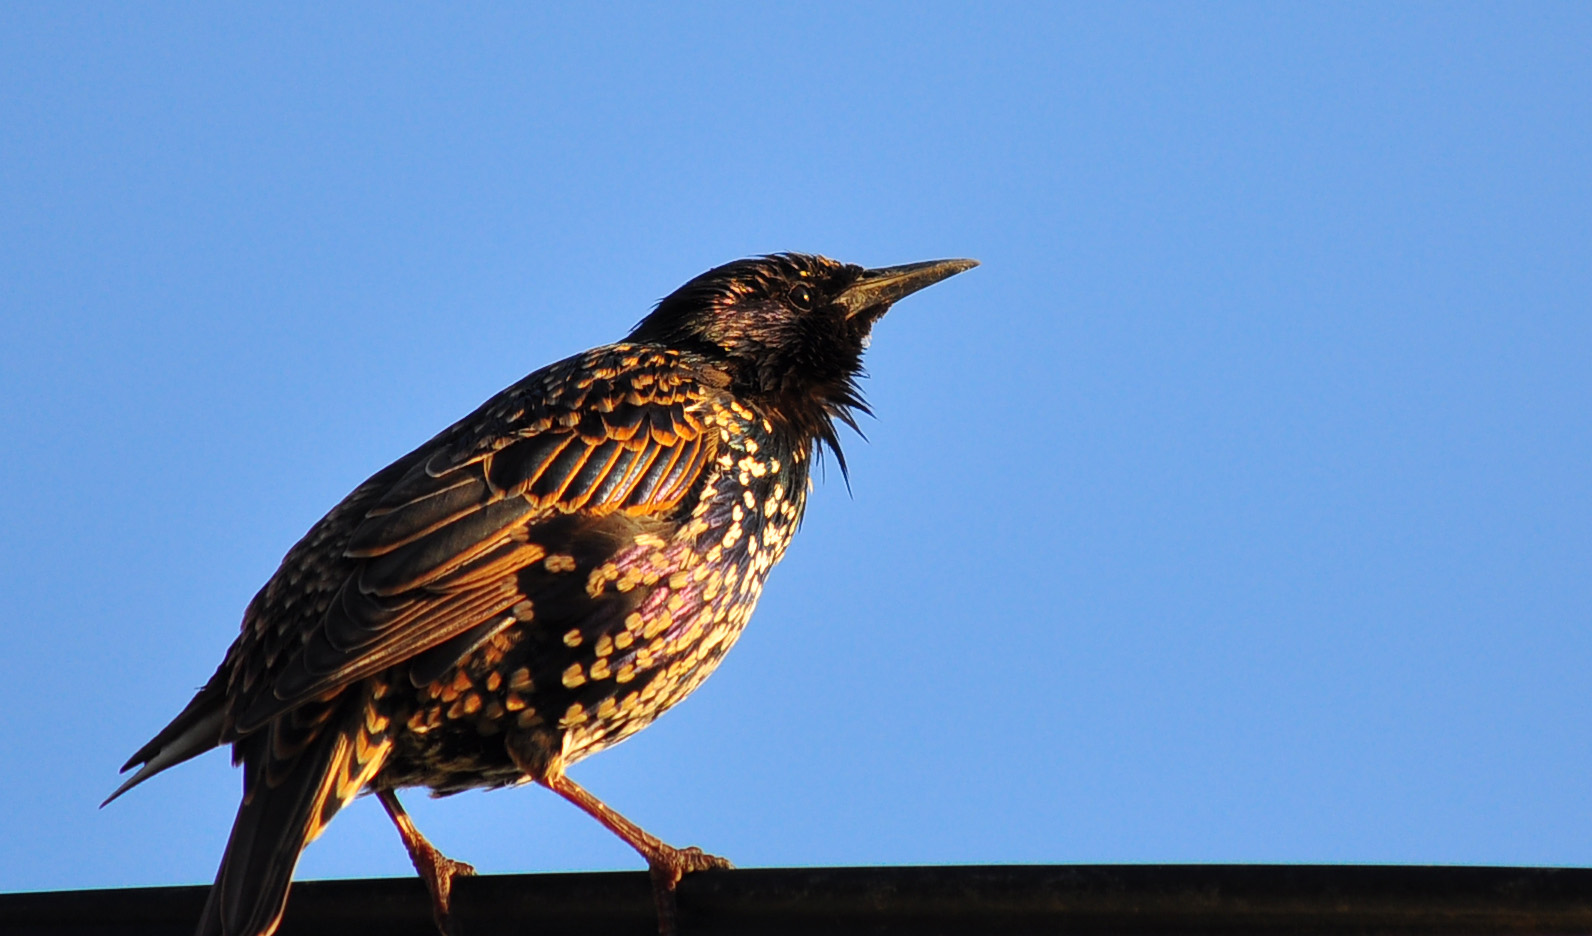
694, 859
667, 869
438, 871
674, 864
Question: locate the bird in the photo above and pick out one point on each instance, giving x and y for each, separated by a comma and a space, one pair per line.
538, 581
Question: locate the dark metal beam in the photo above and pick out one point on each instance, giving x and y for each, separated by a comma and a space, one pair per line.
923, 901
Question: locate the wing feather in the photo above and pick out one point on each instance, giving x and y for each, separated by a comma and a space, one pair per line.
398, 521
591, 474
424, 561
548, 487
437, 557
515, 467
650, 483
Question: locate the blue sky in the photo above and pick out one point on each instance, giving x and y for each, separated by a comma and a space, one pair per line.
1238, 508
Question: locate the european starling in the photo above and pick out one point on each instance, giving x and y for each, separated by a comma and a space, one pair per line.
539, 581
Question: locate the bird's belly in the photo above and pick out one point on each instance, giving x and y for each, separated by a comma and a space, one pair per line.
452, 732
451, 758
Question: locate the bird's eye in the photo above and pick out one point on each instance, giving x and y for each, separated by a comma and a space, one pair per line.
801, 296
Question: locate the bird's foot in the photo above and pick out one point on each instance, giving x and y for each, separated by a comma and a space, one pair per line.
668, 865
438, 871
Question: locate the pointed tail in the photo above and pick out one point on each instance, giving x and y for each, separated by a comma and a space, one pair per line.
195, 730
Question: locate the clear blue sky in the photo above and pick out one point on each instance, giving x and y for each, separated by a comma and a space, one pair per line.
1239, 508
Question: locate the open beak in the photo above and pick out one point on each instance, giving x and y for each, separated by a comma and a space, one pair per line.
875, 290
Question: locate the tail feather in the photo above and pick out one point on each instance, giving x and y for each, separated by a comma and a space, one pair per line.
195, 730
284, 810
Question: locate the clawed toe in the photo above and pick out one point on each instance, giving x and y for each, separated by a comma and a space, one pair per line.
458, 868
438, 871
695, 859
667, 870
670, 866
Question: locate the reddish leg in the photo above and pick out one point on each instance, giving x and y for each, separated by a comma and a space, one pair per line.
436, 869
667, 864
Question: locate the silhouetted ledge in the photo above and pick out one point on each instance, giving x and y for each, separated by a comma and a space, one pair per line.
924, 901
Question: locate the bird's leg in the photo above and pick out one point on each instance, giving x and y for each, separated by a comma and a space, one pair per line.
667, 863
436, 869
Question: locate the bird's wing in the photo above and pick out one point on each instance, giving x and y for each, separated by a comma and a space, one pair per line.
433, 549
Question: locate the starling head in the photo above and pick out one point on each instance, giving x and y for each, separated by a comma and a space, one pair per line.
789, 329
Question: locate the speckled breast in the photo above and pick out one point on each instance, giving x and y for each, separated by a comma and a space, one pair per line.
626, 617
